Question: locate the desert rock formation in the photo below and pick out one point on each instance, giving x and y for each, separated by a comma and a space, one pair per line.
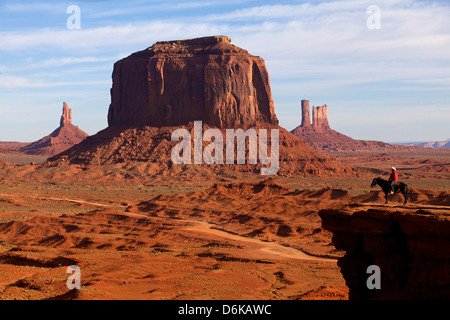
64, 137
174, 82
410, 246
319, 132
153, 145
306, 118
66, 117
429, 144
320, 118
320, 136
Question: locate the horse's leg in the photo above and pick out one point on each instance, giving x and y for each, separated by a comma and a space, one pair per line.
405, 194
386, 196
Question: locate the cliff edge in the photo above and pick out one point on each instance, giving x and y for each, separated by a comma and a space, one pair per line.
410, 245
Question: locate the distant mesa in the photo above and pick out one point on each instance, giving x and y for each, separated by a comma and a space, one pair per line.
320, 136
428, 144
61, 139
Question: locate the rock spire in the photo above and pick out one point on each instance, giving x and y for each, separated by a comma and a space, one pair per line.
66, 117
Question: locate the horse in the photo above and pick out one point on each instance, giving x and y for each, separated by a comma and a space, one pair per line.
386, 187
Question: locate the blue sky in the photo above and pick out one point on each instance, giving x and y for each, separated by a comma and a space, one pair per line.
389, 84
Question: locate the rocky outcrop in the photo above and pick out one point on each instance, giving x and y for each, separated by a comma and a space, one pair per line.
320, 118
319, 115
61, 139
66, 117
411, 246
175, 82
153, 145
320, 136
429, 144
171, 85
306, 118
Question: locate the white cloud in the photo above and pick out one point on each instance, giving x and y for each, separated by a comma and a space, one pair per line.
292, 42
304, 11
331, 30
328, 39
16, 82
57, 62
99, 39
9, 82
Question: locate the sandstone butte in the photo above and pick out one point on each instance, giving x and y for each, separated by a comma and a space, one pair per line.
319, 135
174, 83
61, 139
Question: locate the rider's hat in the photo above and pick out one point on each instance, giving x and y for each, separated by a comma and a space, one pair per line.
394, 169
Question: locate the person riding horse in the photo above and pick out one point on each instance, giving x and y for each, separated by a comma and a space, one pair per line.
392, 185
393, 178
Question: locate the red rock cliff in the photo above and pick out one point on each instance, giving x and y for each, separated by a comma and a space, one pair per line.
411, 246
175, 82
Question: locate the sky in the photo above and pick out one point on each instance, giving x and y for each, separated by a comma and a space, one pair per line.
382, 67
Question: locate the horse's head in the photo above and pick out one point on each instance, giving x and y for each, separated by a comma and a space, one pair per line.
374, 183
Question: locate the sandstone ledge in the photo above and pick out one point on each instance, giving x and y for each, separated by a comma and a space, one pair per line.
411, 245
197, 41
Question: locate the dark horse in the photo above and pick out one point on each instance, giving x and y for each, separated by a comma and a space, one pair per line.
386, 187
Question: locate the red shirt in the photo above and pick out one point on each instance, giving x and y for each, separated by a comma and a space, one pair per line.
393, 176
